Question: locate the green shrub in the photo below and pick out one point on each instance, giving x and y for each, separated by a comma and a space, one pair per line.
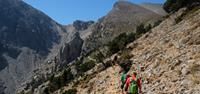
179, 18
36, 82
22, 92
46, 90
140, 29
148, 28
174, 5
60, 81
85, 66
157, 23
185, 13
70, 91
120, 42
99, 56
125, 54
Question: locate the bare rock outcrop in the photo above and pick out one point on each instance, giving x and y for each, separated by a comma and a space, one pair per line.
71, 49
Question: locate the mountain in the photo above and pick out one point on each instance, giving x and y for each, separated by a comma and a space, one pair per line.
157, 8
82, 25
124, 17
167, 59
28, 40
33, 47
71, 49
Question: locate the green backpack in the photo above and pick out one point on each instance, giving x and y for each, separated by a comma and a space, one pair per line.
123, 80
123, 77
133, 89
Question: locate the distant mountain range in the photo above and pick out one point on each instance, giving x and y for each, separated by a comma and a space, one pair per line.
31, 41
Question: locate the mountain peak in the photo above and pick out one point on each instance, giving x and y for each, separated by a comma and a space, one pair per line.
119, 5
82, 25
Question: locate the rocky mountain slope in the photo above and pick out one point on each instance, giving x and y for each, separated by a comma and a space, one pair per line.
157, 8
170, 55
33, 47
167, 56
28, 40
124, 17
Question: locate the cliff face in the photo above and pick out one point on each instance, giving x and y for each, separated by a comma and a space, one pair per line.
71, 49
28, 39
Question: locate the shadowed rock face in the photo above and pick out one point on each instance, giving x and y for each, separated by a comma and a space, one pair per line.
82, 25
3, 63
22, 26
71, 49
26, 37
2, 87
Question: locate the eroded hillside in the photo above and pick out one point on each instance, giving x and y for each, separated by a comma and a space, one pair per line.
169, 55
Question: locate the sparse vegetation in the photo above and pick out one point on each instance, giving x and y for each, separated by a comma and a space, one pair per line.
59, 81
46, 91
70, 91
125, 54
185, 13
194, 77
26, 92
120, 42
99, 57
175, 5
157, 23
85, 66
140, 29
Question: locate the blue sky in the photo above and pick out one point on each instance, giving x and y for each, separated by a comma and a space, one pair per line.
67, 11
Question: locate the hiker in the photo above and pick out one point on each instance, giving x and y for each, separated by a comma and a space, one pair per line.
124, 78
125, 67
133, 84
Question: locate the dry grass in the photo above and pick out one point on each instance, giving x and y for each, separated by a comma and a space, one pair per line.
178, 71
126, 55
196, 56
195, 79
195, 74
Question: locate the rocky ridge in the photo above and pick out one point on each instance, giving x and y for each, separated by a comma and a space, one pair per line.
157, 8
124, 17
168, 57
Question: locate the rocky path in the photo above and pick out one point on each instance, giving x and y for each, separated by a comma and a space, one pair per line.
105, 82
